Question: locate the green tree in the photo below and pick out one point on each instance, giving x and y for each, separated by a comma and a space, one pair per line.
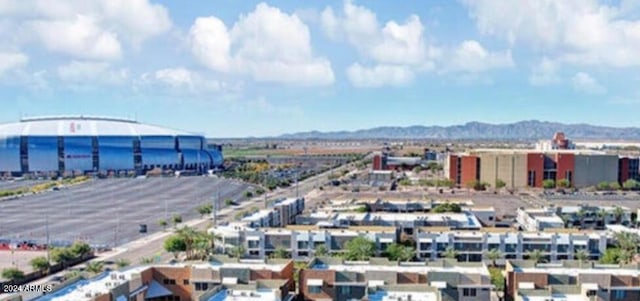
447, 207
146, 260
399, 252
450, 253
536, 255
493, 255
581, 255
627, 241
280, 253
40, 263
564, 183
603, 186
80, 249
500, 184
611, 256
204, 210
321, 251
13, 274
175, 244
497, 279
237, 252
618, 212
404, 182
163, 223
417, 169
62, 255
631, 184
359, 248
615, 186
95, 267
228, 202
122, 263
601, 215
248, 194
548, 184
477, 185
176, 219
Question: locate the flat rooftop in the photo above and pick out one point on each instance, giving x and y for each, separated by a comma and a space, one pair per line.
402, 267
87, 289
572, 268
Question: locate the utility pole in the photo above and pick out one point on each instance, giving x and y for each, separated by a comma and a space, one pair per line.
47, 234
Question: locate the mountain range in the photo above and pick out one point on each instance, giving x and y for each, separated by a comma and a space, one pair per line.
529, 129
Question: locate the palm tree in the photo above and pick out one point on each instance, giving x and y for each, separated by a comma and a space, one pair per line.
565, 219
602, 214
628, 241
121, 263
321, 251
146, 260
618, 212
536, 255
190, 236
580, 215
493, 255
450, 253
94, 267
237, 252
582, 255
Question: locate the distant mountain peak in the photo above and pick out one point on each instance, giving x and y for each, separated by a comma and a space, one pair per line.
525, 129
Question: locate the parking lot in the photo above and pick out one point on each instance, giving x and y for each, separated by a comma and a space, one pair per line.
108, 212
11, 185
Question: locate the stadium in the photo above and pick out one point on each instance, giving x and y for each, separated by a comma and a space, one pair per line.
83, 144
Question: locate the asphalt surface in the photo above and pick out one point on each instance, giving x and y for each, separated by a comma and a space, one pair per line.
108, 212
11, 185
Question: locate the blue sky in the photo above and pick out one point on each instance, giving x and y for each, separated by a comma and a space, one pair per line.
252, 68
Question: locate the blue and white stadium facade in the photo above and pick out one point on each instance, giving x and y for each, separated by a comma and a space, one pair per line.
97, 144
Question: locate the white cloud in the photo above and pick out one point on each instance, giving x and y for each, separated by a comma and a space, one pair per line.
578, 32
180, 79
380, 75
175, 77
470, 56
12, 60
399, 50
545, 73
583, 82
84, 29
268, 44
80, 37
88, 73
210, 43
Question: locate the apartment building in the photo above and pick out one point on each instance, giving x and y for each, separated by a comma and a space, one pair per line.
430, 242
221, 279
559, 244
282, 213
584, 217
579, 281
380, 279
537, 219
302, 241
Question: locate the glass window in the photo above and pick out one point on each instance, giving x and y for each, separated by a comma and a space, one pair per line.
345, 290
315, 289
469, 292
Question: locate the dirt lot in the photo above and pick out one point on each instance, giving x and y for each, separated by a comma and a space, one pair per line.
19, 259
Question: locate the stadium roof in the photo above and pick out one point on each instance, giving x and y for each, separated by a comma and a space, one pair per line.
84, 126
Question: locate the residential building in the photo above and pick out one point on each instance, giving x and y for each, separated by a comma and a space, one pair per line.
380, 279
571, 280
280, 214
430, 242
536, 219
559, 244
221, 279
